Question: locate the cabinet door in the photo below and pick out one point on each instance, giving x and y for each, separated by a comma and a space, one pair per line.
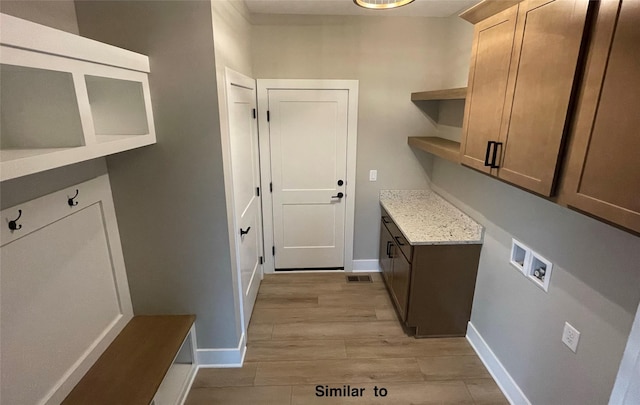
400, 282
603, 173
386, 247
545, 56
490, 58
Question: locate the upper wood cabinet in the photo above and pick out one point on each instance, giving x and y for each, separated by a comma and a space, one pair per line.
603, 167
522, 72
490, 58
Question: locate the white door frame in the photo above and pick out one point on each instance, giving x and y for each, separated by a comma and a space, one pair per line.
264, 85
233, 77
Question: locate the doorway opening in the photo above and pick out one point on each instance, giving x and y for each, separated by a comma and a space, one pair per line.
308, 138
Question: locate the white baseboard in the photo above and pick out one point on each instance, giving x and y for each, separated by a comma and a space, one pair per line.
500, 374
366, 266
223, 358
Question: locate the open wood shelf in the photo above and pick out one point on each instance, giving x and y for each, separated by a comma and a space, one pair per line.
444, 148
447, 94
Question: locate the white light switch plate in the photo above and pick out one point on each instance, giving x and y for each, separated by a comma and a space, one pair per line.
373, 175
570, 337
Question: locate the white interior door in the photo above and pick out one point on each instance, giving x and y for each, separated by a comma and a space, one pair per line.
308, 144
245, 167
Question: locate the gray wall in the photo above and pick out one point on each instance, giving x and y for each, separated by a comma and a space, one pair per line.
391, 57
169, 197
594, 286
232, 37
60, 14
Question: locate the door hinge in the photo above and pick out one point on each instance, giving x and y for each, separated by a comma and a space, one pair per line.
261, 260
271, 187
258, 191
254, 113
268, 116
273, 250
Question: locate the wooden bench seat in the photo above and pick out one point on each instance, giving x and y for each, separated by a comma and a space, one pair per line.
132, 368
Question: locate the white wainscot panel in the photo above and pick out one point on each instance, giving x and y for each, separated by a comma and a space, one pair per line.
61, 297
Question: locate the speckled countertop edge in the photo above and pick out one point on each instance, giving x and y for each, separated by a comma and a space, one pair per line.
425, 218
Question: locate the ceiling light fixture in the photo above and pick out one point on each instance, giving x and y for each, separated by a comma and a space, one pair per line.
382, 4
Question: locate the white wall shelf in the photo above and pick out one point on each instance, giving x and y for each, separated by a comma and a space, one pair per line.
67, 99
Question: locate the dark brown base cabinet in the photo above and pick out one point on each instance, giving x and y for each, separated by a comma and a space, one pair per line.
431, 286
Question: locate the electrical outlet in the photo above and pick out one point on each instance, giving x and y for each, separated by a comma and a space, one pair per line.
373, 175
570, 337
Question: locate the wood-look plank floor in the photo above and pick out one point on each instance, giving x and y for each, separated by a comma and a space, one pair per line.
310, 330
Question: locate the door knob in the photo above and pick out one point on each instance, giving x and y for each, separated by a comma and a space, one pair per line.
244, 232
340, 195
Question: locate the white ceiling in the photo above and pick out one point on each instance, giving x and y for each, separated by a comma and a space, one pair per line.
419, 8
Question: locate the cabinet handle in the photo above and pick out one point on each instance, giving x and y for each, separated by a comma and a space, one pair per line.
486, 156
397, 238
495, 155
388, 248
384, 219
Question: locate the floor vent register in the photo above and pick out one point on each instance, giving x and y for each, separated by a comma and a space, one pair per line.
359, 279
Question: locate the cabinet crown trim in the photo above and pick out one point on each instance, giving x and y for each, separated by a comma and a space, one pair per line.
486, 9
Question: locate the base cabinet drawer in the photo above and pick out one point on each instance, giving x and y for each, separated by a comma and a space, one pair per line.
398, 238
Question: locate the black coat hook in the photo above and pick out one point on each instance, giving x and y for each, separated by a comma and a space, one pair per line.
70, 200
13, 225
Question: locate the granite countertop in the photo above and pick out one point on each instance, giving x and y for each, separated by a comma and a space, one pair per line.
425, 218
